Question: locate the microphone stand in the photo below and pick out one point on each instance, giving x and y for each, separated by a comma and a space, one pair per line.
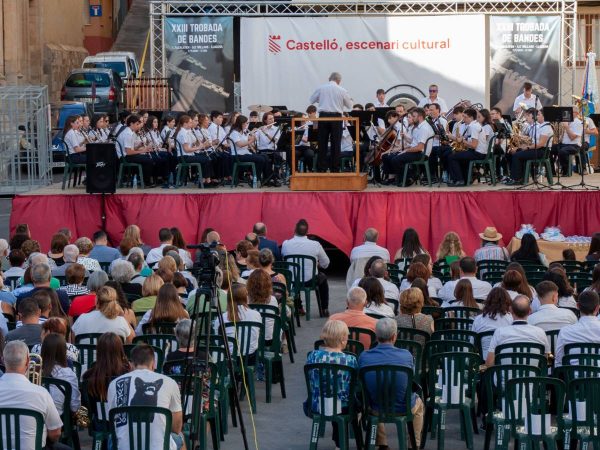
582, 184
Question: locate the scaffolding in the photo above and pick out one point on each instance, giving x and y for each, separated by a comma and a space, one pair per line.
566, 9
25, 146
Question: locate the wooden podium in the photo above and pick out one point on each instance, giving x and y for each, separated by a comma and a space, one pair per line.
343, 181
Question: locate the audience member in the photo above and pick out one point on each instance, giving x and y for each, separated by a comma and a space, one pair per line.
261, 231
301, 245
519, 332
421, 270
85, 246
179, 242
421, 284
54, 364
70, 255
166, 238
595, 286
16, 242
31, 330
370, 248
123, 272
411, 305
490, 248
30, 246
137, 261
6, 297
57, 245
549, 316
529, 251
587, 328
593, 252
4, 249
378, 270
175, 360
152, 285
260, 292
253, 239
463, 296
411, 246
241, 253
385, 353
354, 316
101, 251
86, 303
450, 248
495, 314
252, 263
57, 325
568, 254
16, 259
167, 309
133, 233
44, 302
265, 261
376, 303
468, 271
40, 276
67, 233
75, 275
513, 282
128, 313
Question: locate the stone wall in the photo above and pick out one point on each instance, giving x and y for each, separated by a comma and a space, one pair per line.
58, 61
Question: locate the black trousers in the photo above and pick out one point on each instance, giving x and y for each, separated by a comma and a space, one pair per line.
261, 162
458, 163
305, 154
564, 151
518, 160
326, 131
146, 162
204, 161
77, 158
222, 163
439, 155
398, 162
165, 163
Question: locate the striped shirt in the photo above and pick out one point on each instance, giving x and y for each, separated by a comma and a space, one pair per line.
491, 251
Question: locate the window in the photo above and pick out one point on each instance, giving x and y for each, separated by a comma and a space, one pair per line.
588, 36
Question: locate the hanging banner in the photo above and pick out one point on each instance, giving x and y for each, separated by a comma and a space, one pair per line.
199, 58
284, 59
524, 48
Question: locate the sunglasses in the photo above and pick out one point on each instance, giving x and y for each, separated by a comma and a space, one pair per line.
433, 90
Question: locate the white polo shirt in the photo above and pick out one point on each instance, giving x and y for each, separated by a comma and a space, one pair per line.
519, 332
236, 137
127, 140
369, 249
266, 139
439, 100
551, 317
531, 102
483, 323
586, 330
481, 289
475, 131
421, 135
575, 127
301, 245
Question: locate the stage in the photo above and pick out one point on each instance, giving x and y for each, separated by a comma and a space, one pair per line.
337, 217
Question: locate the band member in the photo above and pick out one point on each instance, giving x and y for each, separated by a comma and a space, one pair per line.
190, 149
253, 117
434, 98
588, 130
166, 162
231, 118
267, 138
131, 148
457, 117
74, 140
222, 161
380, 102
571, 141
400, 110
394, 121
332, 99
540, 133
304, 148
167, 132
98, 127
476, 143
216, 130
348, 148
440, 149
421, 143
527, 97
370, 107
242, 141
358, 107
503, 131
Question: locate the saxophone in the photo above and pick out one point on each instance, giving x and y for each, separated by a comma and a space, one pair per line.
517, 138
455, 144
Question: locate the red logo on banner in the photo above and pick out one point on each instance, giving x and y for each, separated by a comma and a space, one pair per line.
274, 46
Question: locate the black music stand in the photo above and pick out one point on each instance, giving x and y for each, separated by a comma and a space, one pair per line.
558, 115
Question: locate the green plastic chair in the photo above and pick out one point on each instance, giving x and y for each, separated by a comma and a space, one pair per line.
584, 347
412, 334
355, 334
159, 328
125, 166
71, 168
552, 337
489, 161
69, 433
452, 323
99, 429
455, 335
159, 355
495, 379
452, 379
583, 395
385, 395
542, 161
492, 264
87, 355
446, 346
524, 359
581, 359
166, 342
62, 280
306, 286
272, 353
416, 350
528, 397
218, 357
10, 428
395, 274
346, 161
423, 162
520, 347
492, 276
329, 377
353, 347
580, 280
461, 312
184, 166
434, 311
570, 373
484, 338
138, 422
287, 321
237, 165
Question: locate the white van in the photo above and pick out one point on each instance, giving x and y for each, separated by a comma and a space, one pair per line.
119, 64
133, 63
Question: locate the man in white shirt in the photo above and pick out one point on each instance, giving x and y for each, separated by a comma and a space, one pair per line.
370, 247
476, 142
380, 102
440, 150
586, 330
144, 387
332, 99
216, 131
519, 332
301, 245
421, 143
434, 98
16, 391
550, 317
571, 141
378, 270
528, 98
166, 238
468, 271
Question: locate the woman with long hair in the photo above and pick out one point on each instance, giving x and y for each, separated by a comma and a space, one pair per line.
529, 251
168, 308
150, 288
260, 292
595, 286
111, 362
54, 364
74, 140
514, 284
108, 316
128, 313
411, 246
495, 314
376, 303
525, 288
179, 242
594, 251
190, 149
558, 276
418, 269
242, 143
450, 248
463, 293
133, 232
421, 284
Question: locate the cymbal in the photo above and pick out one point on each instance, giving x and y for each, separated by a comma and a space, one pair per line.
260, 108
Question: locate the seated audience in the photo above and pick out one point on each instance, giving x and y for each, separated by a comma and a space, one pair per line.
75, 275
30, 246
354, 315
468, 271
176, 359
86, 303
595, 286
568, 254
370, 247
44, 302
265, 261
31, 330
54, 364
122, 272
385, 353
252, 263
106, 317
57, 245
41, 276
421, 284
565, 292
495, 314
490, 248
181, 284
241, 253
463, 296
168, 308
57, 325
85, 246
418, 269
411, 246
16, 391
150, 289
133, 233
411, 305
549, 316
260, 229
137, 261
529, 251
16, 259
260, 292
166, 396
70, 256
376, 303
101, 251
128, 313
587, 328
519, 332
450, 248
513, 282
166, 238
593, 252
6, 297
179, 243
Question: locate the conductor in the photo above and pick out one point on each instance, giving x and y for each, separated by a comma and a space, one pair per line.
332, 98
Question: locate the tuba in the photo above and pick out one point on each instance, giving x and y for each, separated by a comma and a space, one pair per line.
34, 371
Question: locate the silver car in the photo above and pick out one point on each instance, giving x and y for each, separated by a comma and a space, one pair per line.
102, 88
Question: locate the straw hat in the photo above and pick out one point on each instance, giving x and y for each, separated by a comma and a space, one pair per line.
490, 234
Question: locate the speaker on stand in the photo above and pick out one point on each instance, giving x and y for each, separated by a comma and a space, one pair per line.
101, 170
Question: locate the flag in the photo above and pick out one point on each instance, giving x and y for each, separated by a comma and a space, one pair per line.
589, 92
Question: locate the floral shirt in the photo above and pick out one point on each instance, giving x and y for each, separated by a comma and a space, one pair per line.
323, 356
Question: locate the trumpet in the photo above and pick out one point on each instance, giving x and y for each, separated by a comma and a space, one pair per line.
34, 370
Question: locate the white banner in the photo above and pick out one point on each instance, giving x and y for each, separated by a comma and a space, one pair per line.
284, 59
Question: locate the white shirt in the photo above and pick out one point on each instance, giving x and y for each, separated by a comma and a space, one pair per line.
440, 122
16, 391
156, 254
216, 132
185, 137
127, 140
586, 330
439, 100
14, 272
521, 332
433, 286
166, 131
266, 139
236, 137
73, 139
481, 289
531, 102
89, 263
536, 131
369, 249
379, 104
421, 134
347, 142
551, 317
575, 127
144, 387
96, 322
301, 245
475, 131
383, 310
589, 125
65, 374
332, 98
390, 290
245, 315
483, 323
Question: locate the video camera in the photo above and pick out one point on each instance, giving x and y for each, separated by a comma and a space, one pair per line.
205, 266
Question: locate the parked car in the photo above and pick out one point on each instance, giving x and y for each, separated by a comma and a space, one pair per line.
102, 88
132, 60
119, 63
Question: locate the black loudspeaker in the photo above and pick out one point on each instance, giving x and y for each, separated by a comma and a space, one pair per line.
101, 168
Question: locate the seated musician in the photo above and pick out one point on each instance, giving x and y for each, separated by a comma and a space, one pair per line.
476, 141
420, 144
220, 144
131, 148
539, 133
503, 130
191, 149
571, 141
304, 148
267, 137
588, 130
243, 142
440, 150
394, 122
348, 149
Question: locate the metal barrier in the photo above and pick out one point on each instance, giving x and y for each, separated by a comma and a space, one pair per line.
148, 93
25, 149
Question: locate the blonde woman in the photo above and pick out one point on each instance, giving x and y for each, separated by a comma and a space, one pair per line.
108, 316
133, 232
411, 304
167, 263
150, 288
168, 308
450, 248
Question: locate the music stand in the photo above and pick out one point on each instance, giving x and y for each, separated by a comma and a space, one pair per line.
557, 115
582, 184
